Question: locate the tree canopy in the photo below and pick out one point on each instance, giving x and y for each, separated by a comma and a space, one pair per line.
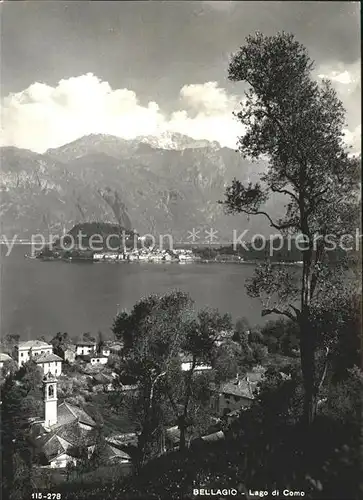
297, 124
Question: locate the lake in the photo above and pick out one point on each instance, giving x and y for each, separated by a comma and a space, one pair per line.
41, 298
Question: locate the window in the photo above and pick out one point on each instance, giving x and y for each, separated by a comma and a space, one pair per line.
41, 352
21, 354
98, 360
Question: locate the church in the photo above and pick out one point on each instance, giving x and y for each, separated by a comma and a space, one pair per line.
65, 427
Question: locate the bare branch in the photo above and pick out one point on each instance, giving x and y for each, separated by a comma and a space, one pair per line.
281, 312
285, 191
273, 224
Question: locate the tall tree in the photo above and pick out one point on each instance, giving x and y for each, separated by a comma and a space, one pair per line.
88, 337
152, 334
297, 124
198, 342
60, 342
20, 399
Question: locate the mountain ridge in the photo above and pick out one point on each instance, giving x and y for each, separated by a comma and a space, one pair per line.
133, 183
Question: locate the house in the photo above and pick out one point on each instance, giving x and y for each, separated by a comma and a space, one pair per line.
31, 349
172, 439
85, 347
235, 394
116, 347
209, 438
98, 359
3, 359
126, 439
102, 382
68, 353
187, 363
224, 336
105, 351
64, 428
118, 456
50, 362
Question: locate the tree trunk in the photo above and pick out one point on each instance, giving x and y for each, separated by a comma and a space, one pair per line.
307, 352
182, 427
307, 340
184, 416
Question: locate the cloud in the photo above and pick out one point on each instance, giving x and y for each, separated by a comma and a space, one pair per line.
43, 117
344, 76
354, 139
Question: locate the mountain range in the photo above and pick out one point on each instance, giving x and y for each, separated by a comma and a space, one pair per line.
165, 185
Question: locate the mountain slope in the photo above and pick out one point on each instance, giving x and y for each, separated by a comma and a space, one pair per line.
135, 183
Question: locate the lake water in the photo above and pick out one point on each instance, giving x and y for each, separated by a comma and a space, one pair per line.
41, 298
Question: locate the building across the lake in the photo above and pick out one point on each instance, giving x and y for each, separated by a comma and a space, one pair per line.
31, 349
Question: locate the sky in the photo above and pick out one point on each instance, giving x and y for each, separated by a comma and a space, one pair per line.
70, 69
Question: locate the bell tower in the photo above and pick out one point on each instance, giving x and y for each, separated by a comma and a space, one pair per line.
50, 399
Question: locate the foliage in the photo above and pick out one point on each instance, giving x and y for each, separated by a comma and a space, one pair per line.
60, 342
88, 337
9, 368
21, 399
155, 333
100, 342
281, 336
299, 126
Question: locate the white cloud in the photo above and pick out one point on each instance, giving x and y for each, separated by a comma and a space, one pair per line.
354, 139
344, 76
43, 117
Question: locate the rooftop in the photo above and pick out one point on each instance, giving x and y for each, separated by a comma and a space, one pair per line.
243, 387
68, 347
55, 446
99, 356
47, 357
4, 357
115, 453
216, 436
85, 343
68, 413
33, 344
101, 378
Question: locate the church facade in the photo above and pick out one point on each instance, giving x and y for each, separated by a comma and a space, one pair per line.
64, 428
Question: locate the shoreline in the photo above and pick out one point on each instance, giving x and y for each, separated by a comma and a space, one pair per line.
137, 261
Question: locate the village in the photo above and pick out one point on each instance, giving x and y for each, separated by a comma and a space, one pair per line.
86, 369
147, 255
